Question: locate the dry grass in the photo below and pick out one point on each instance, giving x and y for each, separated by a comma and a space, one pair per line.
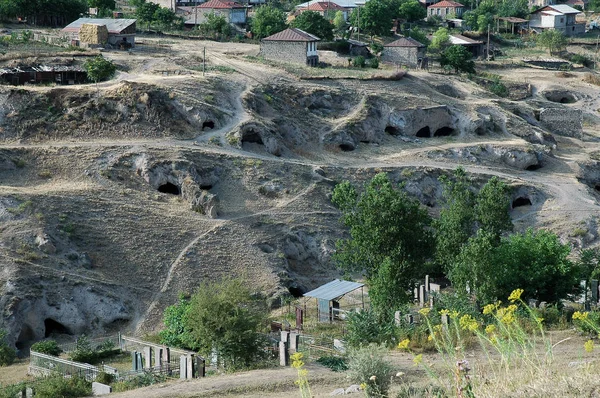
14, 373
592, 78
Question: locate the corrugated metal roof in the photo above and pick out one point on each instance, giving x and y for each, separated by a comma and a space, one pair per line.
405, 42
334, 289
113, 25
292, 34
460, 39
564, 9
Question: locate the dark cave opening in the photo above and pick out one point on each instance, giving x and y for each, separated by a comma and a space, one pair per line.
391, 130
25, 338
206, 187
208, 125
443, 131
252, 137
296, 291
169, 188
521, 201
534, 167
346, 147
425, 132
53, 327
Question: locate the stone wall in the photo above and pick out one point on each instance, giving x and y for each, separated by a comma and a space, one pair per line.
564, 121
294, 52
402, 55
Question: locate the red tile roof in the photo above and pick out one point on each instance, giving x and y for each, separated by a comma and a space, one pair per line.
323, 6
292, 34
220, 4
446, 4
405, 42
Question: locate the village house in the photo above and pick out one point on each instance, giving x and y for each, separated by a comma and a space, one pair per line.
327, 9
446, 8
556, 17
234, 13
348, 5
476, 47
102, 31
291, 45
404, 51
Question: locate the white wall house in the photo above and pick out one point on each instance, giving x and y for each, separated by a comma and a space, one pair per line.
557, 17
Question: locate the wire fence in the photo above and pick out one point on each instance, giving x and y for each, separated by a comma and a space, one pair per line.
46, 364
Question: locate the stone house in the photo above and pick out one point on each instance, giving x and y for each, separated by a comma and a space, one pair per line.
556, 17
291, 45
119, 30
327, 9
446, 8
234, 13
404, 51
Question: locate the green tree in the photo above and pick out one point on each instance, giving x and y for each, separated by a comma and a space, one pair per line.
268, 21
419, 36
99, 69
314, 23
146, 11
104, 6
492, 208
459, 58
366, 327
49, 347
390, 239
224, 317
375, 18
164, 17
44, 12
412, 10
7, 353
513, 8
440, 40
339, 22
175, 333
215, 25
553, 40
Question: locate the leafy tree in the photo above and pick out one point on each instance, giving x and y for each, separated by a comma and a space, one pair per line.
589, 264
389, 239
49, 347
459, 58
440, 40
99, 68
412, 10
553, 40
146, 11
7, 353
513, 8
481, 17
314, 23
215, 24
164, 17
175, 333
268, 21
375, 18
419, 36
492, 208
365, 327
339, 22
224, 317
103, 6
43, 12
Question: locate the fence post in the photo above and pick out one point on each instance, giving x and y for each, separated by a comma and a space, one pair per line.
183, 367
158, 357
148, 357
190, 371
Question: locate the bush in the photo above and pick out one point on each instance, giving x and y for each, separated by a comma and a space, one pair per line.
581, 59
85, 353
365, 327
359, 62
48, 347
336, 364
58, 386
374, 63
498, 88
7, 353
368, 367
105, 378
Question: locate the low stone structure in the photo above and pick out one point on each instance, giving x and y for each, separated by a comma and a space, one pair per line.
565, 121
100, 389
404, 51
291, 45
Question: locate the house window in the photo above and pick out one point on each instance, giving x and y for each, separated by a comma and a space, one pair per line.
562, 20
438, 11
447, 11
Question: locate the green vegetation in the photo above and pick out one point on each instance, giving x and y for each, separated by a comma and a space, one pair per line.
221, 317
7, 353
375, 18
51, 387
104, 6
368, 367
43, 12
440, 41
336, 364
215, 25
267, 21
459, 58
366, 327
152, 13
48, 347
359, 62
553, 40
84, 352
412, 10
314, 23
99, 68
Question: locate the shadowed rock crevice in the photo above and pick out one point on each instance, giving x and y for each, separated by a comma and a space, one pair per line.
169, 188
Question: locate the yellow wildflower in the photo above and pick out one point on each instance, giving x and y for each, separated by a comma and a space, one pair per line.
509, 317
297, 360
363, 386
424, 311
582, 316
403, 345
511, 308
303, 373
454, 314
539, 320
515, 295
489, 329
418, 359
468, 322
437, 328
488, 309
589, 346
430, 337
444, 312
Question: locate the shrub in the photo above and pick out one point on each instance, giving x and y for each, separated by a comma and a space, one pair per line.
374, 63
368, 368
7, 353
105, 378
58, 386
581, 59
498, 88
48, 347
359, 62
365, 327
337, 364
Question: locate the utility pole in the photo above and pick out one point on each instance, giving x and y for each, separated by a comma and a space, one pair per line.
488, 44
359, 23
196, 16
596, 57
204, 62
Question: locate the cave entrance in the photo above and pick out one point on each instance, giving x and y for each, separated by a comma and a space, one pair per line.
425, 132
534, 167
521, 201
208, 125
53, 327
443, 131
169, 188
25, 338
296, 291
391, 130
346, 147
206, 187
252, 137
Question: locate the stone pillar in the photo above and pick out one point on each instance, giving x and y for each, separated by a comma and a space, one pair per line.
183, 367
139, 361
293, 342
397, 318
445, 322
29, 392
158, 357
284, 336
134, 361
427, 283
200, 367
422, 295
190, 366
147, 357
283, 354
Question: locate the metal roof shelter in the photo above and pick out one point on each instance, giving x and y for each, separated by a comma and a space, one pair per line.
332, 292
